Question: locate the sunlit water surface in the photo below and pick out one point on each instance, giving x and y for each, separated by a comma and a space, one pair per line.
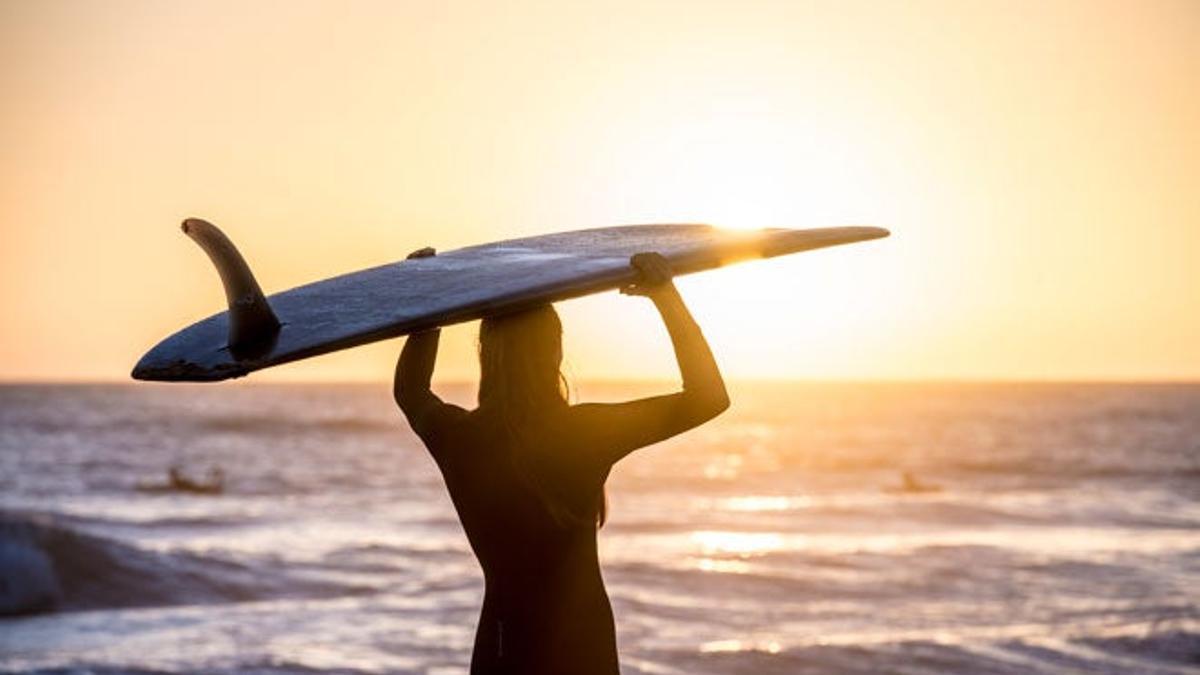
1060, 533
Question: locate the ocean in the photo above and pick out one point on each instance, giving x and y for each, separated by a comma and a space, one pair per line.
1045, 528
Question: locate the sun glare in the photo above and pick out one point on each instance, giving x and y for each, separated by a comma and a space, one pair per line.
744, 166
741, 165
737, 543
743, 226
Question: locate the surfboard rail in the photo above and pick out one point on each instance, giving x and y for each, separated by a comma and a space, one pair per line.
455, 286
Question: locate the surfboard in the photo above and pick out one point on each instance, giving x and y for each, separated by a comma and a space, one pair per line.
465, 284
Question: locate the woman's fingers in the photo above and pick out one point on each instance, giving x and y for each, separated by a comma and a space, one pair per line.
653, 267
653, 271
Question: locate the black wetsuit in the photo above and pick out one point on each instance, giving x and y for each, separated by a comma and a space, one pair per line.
545, 610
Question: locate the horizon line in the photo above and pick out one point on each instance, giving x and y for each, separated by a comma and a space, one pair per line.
7, 382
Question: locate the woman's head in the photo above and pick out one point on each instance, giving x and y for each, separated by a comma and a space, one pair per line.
520, 356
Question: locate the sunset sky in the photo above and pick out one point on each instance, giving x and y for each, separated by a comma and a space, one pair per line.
1037, 162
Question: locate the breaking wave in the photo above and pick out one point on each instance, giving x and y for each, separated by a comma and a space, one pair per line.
47, 565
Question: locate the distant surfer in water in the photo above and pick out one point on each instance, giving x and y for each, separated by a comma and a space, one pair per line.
526, 473
910, 485
178, 481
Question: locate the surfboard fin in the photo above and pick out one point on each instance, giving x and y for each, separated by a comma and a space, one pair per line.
252, 322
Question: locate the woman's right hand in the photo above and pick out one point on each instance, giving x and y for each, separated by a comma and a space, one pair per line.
654, 275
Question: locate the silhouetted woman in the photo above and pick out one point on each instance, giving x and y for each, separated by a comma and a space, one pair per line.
526, 473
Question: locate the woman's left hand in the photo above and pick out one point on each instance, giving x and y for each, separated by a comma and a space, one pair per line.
654, 274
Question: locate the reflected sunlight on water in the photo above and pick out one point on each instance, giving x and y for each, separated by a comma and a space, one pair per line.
766, 503
740, 543
1063, 536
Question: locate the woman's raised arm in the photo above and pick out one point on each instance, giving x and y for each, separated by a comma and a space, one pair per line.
426, 413
621, 428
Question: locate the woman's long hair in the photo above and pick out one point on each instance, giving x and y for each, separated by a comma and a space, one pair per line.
520, 356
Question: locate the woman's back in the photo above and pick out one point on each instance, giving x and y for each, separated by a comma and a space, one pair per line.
545, 608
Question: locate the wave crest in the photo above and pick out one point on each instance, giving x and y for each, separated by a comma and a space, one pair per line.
48, 565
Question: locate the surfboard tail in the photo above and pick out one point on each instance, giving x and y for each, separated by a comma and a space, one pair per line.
252, 322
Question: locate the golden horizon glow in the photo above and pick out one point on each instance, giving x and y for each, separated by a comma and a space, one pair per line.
1036, 164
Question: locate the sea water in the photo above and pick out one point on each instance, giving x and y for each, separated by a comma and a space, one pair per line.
1046, 529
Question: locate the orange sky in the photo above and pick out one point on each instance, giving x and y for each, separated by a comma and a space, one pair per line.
1038, 164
